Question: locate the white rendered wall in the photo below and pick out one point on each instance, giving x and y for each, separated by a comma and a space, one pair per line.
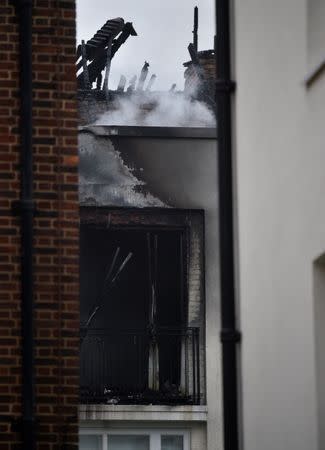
319, 311
279, 139
182, 172
316, 32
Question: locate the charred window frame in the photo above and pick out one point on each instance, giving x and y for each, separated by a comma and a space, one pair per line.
153, 221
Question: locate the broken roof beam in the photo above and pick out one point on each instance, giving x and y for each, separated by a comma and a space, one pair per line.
151, 82
132, 83
143, 76
121, 84
108, 68
100, 39
195, 28
100, 54
127, 31
86, 84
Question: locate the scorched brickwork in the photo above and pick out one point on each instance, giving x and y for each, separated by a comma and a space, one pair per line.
56, 226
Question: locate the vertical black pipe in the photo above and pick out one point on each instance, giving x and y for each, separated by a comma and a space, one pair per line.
229, 334
26, 210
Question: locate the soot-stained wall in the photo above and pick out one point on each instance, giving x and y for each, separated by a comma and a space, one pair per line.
172, 168
147, 169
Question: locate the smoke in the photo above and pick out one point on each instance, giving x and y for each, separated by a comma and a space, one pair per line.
160, 109
105, 179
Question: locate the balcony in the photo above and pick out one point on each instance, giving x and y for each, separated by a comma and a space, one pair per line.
151, 366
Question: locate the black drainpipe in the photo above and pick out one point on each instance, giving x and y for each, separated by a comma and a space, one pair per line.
230, 336
25, 209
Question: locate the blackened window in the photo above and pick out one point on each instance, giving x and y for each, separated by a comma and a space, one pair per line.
136, 345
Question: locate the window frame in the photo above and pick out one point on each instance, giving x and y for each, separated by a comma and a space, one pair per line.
174, 219
153, 433
147, 220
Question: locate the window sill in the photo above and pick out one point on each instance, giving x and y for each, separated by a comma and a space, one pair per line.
143, 412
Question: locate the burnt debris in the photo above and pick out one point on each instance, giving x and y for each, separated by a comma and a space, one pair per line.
143, 76
195, 28
93, 67
108, 284
96, 54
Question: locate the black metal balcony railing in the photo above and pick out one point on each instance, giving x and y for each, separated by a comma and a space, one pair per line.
160, 366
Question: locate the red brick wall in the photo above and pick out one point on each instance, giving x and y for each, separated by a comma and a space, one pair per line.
56, 225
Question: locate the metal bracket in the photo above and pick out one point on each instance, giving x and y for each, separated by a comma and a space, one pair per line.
17, 423
7, 418
20, 206
230, 335
225, 86
23, 3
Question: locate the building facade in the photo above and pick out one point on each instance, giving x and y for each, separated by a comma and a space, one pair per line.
150, 361
55, 227
278, 55
149, 196
277, 128
174, 216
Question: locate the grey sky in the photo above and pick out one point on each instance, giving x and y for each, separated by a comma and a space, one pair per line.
164, 31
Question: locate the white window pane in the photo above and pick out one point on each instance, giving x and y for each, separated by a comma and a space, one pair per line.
90, 442
128, 442
172, 442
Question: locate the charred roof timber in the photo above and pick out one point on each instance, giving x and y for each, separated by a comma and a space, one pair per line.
96, 54
198, 79
151, 82
97, 98
105, 43
143, 76
195, 28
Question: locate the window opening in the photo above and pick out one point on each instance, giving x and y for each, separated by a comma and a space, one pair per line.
90, 442
136, 345
135, 439
128, 442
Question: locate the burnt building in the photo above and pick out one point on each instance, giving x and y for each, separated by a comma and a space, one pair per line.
149, 290
95, 58
93, 64
148, 256
135, 363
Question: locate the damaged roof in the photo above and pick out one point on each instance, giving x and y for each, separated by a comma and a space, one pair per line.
93, 53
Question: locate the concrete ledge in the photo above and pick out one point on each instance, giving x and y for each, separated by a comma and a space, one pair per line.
143, 412
151, 132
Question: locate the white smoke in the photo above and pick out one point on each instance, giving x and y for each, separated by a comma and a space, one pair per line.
165, 109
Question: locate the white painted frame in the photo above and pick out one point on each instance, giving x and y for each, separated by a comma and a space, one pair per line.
153, 433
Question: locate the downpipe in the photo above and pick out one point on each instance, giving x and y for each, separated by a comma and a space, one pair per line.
230, 336
25, 209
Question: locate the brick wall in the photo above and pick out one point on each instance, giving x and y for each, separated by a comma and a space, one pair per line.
196, 296
56, 225
208, 65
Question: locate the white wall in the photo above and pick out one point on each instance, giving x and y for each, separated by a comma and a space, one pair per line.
316, 32
319, 312
280, 184
180, 173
